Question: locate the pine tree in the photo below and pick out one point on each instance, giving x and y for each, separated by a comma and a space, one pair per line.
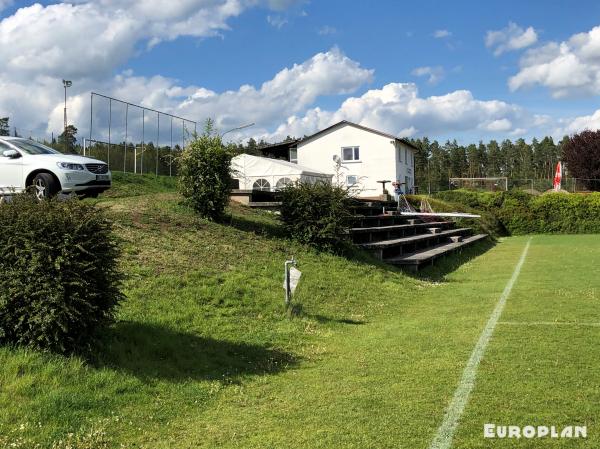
494, 165
67, 140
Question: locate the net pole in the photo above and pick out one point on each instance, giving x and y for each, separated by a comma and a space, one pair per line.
91, 114
171, 150
143, 141
157, 139
125, 149
109, 127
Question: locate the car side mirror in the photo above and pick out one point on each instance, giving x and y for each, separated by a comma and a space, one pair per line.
12, 154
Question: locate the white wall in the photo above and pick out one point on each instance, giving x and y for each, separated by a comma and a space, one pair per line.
378, 157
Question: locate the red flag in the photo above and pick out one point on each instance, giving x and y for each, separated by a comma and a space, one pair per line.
558, 177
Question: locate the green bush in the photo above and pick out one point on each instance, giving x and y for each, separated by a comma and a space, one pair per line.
522, 213
205, 174
316, 214
59, 280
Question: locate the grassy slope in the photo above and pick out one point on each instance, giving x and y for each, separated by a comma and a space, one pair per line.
203, 355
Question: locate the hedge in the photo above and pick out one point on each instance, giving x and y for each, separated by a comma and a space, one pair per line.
59, 280
522, 213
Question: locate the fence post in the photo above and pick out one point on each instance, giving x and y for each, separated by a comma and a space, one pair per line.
109, 128
125, 148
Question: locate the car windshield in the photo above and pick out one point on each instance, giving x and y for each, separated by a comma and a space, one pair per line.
31, 147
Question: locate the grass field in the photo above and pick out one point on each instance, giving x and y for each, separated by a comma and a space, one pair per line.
203, 355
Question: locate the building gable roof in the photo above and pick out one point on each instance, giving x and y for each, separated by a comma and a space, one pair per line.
356, 125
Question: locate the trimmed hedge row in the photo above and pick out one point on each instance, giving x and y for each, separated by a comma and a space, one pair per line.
59, 279
521, 213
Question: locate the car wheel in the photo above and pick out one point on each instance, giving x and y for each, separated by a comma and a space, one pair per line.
44, 186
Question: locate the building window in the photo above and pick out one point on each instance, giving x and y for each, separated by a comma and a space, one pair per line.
282, 182
350, 154
406, 155
261, 184
294, 155
399, 154
351, 180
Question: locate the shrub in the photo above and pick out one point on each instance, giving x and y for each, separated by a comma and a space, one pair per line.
316, 214
59, 281
522, 213
205, 174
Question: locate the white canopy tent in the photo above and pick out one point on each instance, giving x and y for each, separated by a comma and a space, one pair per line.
262, 173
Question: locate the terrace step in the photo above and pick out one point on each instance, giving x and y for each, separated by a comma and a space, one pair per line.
382, 220
398, 227
417, 259
412, 239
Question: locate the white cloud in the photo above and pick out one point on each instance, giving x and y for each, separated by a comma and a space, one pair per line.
290, 91
441, 34
397, 108
92, 39
502, 125
513, 37
568, 68
277, 21
574, 125
434, 74
114, 30
87, 41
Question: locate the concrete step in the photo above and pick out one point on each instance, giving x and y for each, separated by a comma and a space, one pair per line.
413, 239
398, 246
419, 258
380, 220
398, 227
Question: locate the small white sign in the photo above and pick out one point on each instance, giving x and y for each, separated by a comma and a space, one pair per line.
294, 279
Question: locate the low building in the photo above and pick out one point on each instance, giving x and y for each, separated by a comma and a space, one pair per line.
357, 155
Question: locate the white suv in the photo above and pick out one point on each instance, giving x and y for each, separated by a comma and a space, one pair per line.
25, 163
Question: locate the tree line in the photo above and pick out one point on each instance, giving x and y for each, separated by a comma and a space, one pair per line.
435, 163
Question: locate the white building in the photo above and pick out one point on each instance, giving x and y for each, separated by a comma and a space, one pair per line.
364, 156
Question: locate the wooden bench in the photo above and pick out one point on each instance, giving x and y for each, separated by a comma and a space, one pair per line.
377, 233
415, 260
393, 247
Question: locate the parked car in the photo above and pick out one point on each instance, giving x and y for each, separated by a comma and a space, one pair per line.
27, 164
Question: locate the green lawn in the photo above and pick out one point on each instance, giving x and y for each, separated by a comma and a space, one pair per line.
203, 355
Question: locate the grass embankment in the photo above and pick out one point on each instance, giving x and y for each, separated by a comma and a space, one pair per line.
203, 354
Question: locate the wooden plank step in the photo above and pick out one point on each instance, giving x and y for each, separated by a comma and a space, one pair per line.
396, 227
412, 239
432, 253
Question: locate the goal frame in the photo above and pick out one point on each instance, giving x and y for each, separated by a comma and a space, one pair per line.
501, 180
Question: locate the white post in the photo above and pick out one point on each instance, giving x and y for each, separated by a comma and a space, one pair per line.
135, 159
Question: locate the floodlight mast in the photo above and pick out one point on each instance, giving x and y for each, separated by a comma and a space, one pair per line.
66, 83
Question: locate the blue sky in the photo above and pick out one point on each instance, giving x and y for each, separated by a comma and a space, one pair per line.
420, 50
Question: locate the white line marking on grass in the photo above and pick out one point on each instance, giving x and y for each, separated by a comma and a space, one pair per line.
548, 323
445, 433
